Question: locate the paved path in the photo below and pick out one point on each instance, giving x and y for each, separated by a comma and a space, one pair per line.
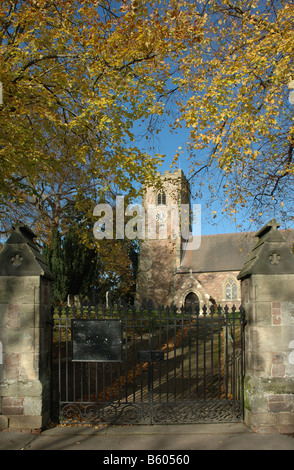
175, 438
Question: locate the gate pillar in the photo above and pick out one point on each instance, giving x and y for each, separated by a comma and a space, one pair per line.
25, 335
267, 286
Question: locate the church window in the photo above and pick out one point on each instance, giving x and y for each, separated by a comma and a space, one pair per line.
161, 198
231, 289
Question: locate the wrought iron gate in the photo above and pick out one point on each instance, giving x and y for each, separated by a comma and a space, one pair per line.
123, 365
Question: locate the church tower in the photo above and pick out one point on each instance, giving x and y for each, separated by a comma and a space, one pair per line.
166, 207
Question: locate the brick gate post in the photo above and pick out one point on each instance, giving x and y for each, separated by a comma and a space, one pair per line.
25, 336
267, 287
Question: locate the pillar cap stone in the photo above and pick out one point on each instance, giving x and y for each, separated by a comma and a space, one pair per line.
21, 256
270, 255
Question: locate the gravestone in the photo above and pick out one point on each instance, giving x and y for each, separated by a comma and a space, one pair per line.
70, 300
25, 333
267, 286
108, 300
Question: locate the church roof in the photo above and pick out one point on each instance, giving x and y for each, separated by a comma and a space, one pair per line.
224, 252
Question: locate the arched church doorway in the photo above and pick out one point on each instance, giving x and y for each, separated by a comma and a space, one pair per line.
191, 302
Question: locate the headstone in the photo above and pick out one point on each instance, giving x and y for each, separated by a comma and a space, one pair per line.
108, 299
144, 304
77, 301
70, 300
150, 304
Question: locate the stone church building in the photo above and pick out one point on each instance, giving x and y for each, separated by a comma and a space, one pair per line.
170, 274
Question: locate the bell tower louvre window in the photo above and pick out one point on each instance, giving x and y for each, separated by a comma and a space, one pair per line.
161, 199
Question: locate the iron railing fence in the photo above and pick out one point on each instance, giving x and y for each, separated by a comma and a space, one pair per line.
128, 365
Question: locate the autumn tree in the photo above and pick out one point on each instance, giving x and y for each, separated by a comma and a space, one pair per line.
118, 261
73, 264
84, 269
80, 78
238, 110
77, 78
85, 266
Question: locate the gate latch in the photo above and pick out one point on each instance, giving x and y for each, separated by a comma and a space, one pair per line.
151, 356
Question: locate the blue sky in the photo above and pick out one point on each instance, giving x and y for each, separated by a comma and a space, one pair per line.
168, 143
